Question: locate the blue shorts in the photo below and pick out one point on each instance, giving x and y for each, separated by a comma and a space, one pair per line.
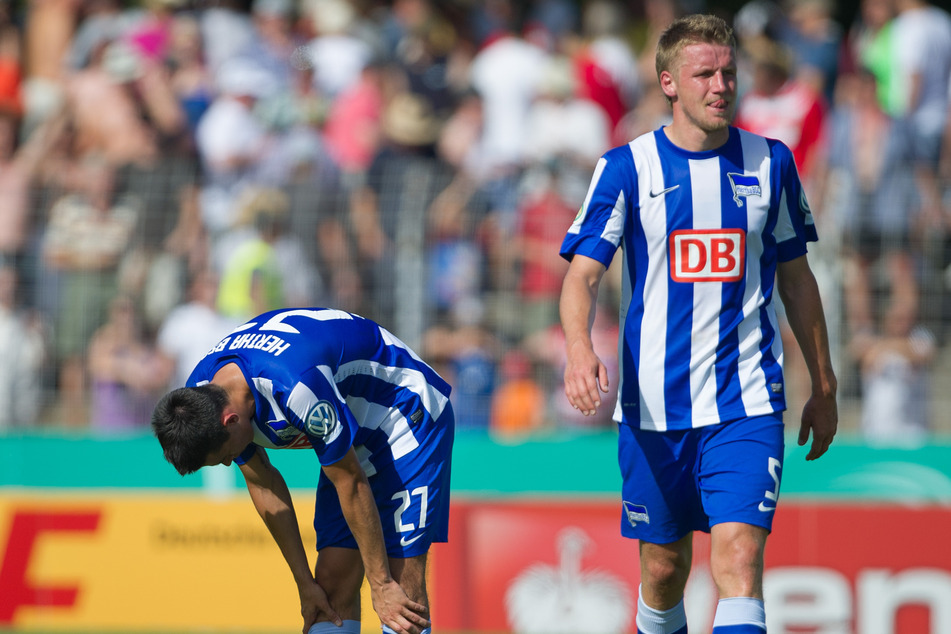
677, 482
412, 497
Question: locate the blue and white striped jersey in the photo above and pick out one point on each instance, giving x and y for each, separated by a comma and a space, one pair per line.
702, 233
330, 380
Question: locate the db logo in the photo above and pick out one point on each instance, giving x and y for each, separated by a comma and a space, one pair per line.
707, 255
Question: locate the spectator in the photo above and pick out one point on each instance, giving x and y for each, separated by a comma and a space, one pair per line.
352, 131
388, 209
505, 74
23, 347
252, 279
896, 375
124, 369
606, 67
562, 126
869, 187
107, 119
815, 40
871, 44
191, 79
275, 42
226, 30
20, 169
231, 141
466, 352
336, 53
87, 234
923, 35
11, 62
46, 41
518, 402
781, 106
544, 213
192, 328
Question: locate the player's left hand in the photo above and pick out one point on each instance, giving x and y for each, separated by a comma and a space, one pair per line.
314, 604
821, 416
398, 611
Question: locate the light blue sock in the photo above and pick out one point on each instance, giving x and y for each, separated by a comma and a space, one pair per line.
327, 627
387, 630
651, 621
740, 615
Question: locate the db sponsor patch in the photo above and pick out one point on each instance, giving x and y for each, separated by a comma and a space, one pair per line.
321, 420
707, 255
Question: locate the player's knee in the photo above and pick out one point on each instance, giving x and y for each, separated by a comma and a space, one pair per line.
666, 575
737, 565
339, 572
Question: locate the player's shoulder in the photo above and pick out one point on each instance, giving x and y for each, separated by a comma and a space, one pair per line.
775, 148
624, 155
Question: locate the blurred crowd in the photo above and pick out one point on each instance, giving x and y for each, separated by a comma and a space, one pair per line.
169, 168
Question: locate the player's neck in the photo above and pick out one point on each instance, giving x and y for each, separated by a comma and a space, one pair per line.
232, 380
694, 139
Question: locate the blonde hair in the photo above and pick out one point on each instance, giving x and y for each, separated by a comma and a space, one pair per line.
691, 29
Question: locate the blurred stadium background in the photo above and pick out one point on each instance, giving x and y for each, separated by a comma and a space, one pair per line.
129, 237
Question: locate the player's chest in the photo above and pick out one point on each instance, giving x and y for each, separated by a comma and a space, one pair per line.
703, 196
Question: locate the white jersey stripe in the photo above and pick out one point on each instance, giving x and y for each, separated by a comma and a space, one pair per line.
750, 331
653, 217
399, 435
704, 336
433, 400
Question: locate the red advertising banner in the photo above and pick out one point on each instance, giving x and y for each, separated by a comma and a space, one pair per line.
119, 562
553, 566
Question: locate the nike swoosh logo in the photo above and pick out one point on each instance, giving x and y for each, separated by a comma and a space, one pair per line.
654, 194
766, 509
406, 542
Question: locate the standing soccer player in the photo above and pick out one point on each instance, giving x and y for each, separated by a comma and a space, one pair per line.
708, 216
381, 424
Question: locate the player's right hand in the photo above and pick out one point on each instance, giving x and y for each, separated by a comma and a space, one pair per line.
315, 605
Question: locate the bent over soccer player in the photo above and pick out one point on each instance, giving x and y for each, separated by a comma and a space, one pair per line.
708, 216
380, 422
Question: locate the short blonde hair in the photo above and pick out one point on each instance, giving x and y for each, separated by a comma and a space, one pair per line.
691, 29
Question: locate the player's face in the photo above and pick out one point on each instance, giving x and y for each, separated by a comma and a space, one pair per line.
702, 86
240, 436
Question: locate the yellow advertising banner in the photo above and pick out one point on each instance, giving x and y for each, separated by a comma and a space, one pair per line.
158, 562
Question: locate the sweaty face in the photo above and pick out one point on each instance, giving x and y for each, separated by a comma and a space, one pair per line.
702, 85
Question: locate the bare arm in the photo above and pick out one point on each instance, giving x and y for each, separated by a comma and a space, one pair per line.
394, 608
800, 294
585, 374
272, 499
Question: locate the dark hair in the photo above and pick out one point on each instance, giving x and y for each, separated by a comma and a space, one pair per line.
691, 29
187, 423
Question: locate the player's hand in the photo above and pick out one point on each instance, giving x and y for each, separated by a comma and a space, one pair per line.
585, 379
314, 604
821, 416
398, 611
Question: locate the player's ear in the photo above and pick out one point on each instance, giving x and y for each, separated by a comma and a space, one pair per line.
229, 417
667, 84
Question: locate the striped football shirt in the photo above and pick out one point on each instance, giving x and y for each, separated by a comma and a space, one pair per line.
328, 380
702, 233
